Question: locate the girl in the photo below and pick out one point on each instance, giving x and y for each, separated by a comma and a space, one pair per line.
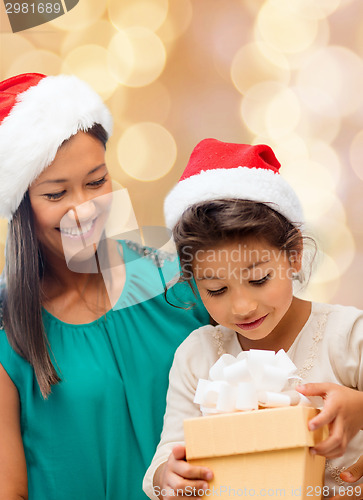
86, 336
237, 227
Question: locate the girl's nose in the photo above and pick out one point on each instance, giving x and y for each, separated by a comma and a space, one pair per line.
243, 304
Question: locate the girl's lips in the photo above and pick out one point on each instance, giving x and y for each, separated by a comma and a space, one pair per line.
252, 325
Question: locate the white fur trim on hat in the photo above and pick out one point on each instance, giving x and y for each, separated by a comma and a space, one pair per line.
244, 183
44, 116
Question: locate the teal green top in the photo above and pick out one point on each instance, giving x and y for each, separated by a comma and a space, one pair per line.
95, 436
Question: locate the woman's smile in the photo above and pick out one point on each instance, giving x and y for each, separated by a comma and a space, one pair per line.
85, 230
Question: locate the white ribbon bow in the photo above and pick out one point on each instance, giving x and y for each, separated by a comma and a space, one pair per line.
255, 378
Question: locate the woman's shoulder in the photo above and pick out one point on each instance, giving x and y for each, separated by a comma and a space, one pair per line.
154, 256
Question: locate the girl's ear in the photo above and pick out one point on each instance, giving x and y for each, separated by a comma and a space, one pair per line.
295, 256
295, 261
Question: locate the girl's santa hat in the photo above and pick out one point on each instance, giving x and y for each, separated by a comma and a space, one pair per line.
37, 114
219, 170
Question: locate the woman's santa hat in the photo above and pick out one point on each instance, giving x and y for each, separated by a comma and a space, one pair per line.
37, 114
219, 170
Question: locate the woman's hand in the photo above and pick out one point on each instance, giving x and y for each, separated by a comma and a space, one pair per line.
178, 478
351, 475
342, 412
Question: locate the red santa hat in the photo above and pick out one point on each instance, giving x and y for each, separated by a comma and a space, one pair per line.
38, 113
219, 170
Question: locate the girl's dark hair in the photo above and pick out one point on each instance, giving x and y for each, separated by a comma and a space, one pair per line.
209, 224
24, 269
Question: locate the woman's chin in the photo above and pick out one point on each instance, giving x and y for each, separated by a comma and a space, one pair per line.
83, 260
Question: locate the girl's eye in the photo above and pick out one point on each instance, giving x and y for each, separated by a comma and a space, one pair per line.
54, 196
216, 292
261, 281
98, 183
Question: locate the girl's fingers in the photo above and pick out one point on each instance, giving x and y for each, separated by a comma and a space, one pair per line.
313, 389
188, 471
335, 444
183, 469
185, 487
354, 472
325, 417
179, 452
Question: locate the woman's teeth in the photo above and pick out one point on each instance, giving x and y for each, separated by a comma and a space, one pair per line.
76, 231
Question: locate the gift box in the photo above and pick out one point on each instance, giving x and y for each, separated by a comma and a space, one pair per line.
258, 453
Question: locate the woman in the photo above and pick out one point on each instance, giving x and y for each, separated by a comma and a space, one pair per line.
88, 337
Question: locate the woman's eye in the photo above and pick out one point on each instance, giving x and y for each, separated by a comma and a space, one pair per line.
97, 183
54, 196
261, 281
216, 292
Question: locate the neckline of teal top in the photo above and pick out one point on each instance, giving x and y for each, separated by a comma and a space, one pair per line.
129, 250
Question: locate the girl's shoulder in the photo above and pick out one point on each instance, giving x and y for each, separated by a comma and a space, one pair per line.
200, 350
208, 340
337, 313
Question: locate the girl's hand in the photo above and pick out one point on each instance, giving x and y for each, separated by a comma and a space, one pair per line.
342, 412
178, 477
351, 475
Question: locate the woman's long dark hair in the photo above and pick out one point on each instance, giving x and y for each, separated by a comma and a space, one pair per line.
22, 297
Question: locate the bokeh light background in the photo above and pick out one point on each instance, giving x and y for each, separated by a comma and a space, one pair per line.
288, 73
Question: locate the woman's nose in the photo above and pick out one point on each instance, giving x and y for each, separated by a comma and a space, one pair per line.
83, 212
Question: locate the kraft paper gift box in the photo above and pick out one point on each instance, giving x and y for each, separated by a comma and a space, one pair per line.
258, 453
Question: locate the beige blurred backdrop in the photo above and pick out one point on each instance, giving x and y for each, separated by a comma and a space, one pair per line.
288, 73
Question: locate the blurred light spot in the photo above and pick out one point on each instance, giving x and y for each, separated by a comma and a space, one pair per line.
251, 66
147, 151
99, 33
317, 196
137, 57
270, 110
356, 154
36, 61
338, 242
285, 29
177, 22
335, 74
292, 148
83, 15
147, 13
310, 9
313, 124
282, 114
12, 46
354, 205
117, 104
327, 269
322, 39
90, 63
323, 154
151, 104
